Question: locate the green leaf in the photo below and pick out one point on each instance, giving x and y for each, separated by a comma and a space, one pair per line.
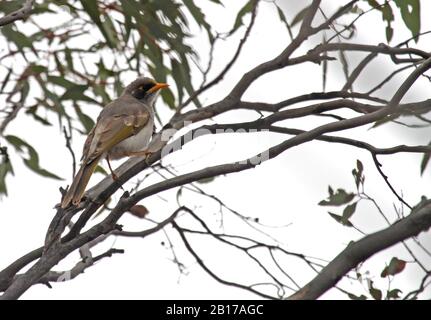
5, 169
85, 120
247, 8
299, 16
25, 89
168, 97
358, 173
100, 169
10, 6
360, 166
182, 78
176, 74
389, 33
330, 191
356, 10
199, 17
69, 59
118, 86
6, 80
387, 13
375, 293
338, 198
340, 219
384, 120
128, 25
61, 81
355, 297
393, 294
373, 3
411, 14
92, 9
344, 63
349, 211
283, 19
19, 39
388, 16
130, 8
103, 72
32, 111
36, 69
32, 159
109, 33
76, 93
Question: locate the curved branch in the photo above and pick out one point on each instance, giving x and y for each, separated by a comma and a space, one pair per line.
419, 220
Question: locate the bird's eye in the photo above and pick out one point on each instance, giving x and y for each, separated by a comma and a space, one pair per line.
146, 87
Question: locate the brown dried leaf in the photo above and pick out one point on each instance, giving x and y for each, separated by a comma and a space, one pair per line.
139, 211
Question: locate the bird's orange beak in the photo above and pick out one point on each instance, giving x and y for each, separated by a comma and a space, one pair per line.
158, 86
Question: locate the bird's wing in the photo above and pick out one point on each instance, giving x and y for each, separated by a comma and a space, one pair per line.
119, 120
88, 142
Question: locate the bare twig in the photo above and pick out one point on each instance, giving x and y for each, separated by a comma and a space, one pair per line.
228, 66
68, 138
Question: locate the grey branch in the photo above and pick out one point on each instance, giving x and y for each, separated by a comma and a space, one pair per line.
20, 14
419, 220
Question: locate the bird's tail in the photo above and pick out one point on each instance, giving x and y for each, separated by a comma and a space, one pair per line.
77, 189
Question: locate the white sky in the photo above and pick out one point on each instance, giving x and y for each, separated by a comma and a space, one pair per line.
283, 191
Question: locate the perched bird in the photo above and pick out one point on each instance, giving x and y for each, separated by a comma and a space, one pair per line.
123, 129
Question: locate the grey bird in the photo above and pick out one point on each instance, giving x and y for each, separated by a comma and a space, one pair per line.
123, 129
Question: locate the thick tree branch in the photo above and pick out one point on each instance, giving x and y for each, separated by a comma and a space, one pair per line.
86, 262
419, 220
58, 251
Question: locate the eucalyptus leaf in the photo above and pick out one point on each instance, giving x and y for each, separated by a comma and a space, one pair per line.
411, 14
5, 169
32, 158
247, 8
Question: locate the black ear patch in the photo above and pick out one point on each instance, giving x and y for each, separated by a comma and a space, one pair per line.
147, 87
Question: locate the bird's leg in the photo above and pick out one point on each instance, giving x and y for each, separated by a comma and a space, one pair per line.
113, 175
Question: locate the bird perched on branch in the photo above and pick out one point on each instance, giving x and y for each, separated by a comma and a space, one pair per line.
123, 129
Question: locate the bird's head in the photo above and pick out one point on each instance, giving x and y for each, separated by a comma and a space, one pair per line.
145, 90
